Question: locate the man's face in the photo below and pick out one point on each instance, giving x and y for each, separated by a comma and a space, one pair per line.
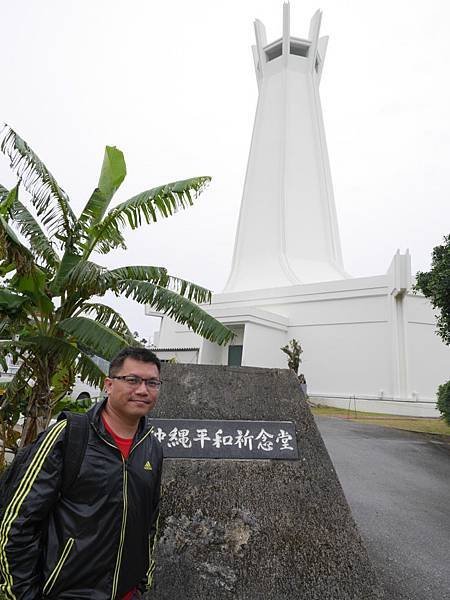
132, 400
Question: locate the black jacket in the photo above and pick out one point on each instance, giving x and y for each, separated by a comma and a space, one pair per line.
95, 542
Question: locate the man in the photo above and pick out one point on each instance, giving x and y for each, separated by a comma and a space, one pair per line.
97, 540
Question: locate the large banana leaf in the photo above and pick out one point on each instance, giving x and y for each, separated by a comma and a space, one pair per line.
156, 275
190, 290
70, 354
110, 318
99, 339
159, 276
88, 278
177, 307
89, 371
49, 199
16, 214
112, 174
40, 245
68, 262
145, 207
92, 214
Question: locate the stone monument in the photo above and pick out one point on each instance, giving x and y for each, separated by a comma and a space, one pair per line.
273, 524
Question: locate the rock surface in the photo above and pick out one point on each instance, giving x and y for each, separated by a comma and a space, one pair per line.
254, 529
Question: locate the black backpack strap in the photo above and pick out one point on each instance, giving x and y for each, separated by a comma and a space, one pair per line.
75, 444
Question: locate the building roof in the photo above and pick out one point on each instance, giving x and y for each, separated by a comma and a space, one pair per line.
174, 349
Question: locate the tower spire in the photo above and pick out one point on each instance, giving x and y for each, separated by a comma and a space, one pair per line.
286, 28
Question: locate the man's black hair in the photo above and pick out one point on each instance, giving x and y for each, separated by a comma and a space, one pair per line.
136, 353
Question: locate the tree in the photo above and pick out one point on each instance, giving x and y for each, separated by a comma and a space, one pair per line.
293, 350
435, 285
443, 402
51, 320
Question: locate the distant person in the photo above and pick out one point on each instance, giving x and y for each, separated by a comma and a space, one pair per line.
97, 540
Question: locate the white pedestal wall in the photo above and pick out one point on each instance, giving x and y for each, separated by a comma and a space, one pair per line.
354, 348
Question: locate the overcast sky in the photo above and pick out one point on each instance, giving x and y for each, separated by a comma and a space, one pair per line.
172, 84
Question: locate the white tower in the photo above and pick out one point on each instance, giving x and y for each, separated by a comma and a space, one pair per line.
287, 232
287, 279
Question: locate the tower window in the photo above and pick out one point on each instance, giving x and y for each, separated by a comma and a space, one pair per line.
299, 48
274, 50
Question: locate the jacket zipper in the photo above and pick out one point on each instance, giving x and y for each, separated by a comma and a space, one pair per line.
141, 440
122, 530
59, 565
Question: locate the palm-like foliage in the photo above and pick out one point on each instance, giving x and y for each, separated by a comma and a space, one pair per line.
48, 278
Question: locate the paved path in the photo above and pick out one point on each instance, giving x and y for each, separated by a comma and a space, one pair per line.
398, 486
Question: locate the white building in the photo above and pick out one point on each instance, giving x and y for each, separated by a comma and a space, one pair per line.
368, 342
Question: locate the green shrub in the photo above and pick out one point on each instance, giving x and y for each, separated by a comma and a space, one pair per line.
443, 402
293, 350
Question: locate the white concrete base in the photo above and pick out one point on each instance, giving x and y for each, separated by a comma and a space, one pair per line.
366, 338
375, 405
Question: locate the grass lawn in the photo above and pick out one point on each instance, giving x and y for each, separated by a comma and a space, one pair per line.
436, 426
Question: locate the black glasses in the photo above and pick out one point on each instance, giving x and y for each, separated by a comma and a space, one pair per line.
135, 381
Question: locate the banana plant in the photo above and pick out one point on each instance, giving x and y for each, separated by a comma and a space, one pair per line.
51, 319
